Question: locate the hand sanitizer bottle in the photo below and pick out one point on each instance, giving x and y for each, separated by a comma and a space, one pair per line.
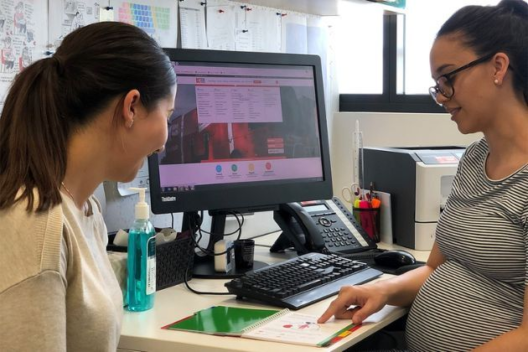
141, 261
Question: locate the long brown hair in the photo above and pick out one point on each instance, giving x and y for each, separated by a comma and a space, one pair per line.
56, 96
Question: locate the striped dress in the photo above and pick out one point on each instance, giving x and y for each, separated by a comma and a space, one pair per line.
477, 294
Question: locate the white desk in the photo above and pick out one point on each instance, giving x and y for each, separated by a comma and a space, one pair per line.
142, 331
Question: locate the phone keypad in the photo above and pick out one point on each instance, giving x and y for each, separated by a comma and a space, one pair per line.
338, 237
346, 220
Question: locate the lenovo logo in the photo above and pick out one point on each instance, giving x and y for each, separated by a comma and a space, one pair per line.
168, 199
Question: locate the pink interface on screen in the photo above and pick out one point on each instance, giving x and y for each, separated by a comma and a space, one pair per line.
241, 124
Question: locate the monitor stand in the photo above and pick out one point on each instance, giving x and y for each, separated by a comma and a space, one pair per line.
204, 265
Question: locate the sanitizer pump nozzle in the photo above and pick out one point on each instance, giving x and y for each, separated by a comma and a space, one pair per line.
142, 208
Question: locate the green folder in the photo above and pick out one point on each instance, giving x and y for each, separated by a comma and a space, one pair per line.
222, 320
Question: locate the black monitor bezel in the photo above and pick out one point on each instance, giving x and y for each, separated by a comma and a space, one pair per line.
251, 197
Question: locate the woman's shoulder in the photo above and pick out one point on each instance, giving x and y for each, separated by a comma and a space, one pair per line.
31, 242
477, 150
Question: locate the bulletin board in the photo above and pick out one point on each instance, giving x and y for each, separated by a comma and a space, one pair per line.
33, 29
23, 38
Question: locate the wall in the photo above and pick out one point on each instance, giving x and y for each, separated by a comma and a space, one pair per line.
388, 130
380, 129
120, 210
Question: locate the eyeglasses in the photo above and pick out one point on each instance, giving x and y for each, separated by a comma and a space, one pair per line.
444, 83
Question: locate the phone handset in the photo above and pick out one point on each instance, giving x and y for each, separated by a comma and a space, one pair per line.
300, 228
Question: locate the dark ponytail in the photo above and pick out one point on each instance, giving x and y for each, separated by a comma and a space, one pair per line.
54, 97
492, 29
31, 136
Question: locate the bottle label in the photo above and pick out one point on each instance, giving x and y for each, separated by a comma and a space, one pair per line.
151, 265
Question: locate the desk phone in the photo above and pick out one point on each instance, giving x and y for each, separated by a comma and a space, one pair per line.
324, 226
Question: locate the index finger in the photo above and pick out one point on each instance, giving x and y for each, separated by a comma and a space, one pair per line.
338, 305
329, 312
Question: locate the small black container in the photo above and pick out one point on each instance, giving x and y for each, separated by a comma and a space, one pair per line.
174, 259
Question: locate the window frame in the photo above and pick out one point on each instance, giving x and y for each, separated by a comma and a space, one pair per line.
389, 100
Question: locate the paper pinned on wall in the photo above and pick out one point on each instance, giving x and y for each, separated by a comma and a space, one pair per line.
221, 27
270, 24
23, 38
67, 16
158, 18
317, 36
106, 14
192, 24
294, 33
243, 36
257, 29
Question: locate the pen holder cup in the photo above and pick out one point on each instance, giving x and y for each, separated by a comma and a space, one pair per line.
244, 253
369, 219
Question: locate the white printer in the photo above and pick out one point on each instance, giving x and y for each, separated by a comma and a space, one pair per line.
419, 181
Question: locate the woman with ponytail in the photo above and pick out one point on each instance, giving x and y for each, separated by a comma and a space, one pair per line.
91, 112
472, 294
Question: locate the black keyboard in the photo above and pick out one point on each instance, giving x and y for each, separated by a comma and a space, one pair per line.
301, 281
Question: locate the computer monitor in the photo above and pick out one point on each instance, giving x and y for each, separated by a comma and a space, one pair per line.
248, 133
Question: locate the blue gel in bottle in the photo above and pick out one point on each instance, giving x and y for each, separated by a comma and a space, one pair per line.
141, 261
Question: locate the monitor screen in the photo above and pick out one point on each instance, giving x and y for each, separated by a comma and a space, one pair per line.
248, 133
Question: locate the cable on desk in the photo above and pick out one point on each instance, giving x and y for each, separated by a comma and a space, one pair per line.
196, 228
262, 245
200, 292
264, 234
